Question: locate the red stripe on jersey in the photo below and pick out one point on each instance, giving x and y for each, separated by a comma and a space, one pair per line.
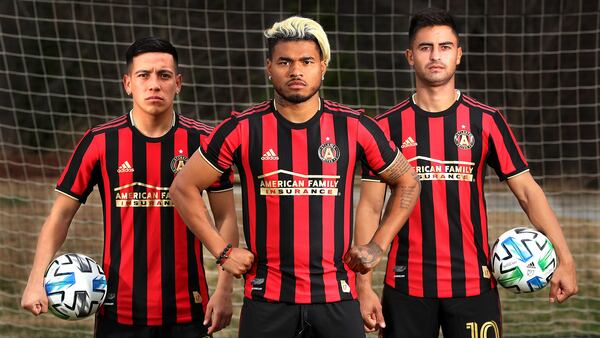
415, 230
389, 275
301, 219
125, 289
64, 173
504, 159
480, 171
251, 201
514, 140
471, 264
399, 106
328, 260
442, 230
111, 124
334, 106
153, 238
273, 283
101, 139
182, 296
258, 107
348, 207
201, 274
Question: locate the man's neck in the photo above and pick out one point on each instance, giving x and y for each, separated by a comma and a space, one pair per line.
298, 112
435, 99
153, 125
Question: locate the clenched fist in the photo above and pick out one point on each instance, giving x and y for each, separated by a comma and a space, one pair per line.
239, 261
363, 258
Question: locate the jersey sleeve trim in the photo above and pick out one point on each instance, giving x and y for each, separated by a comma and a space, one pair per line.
519, 173
368, 179
218, 190
221, 171
78, 199
382, 170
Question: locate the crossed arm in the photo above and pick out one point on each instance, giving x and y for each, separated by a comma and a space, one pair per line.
374, 237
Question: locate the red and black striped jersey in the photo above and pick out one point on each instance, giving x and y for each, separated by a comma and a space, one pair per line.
297, 181
443, 251
153, 263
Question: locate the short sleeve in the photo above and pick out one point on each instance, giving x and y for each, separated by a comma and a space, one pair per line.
379, 151
81, 173
218, 149
504, 154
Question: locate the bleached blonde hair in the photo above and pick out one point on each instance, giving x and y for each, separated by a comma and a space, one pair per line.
299, 28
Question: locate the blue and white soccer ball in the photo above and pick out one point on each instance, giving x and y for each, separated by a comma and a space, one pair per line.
75, 285
523, 260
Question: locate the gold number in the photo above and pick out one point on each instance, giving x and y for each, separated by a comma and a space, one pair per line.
483, 332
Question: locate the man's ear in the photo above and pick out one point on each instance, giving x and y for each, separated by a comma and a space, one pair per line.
127, 84
408, 53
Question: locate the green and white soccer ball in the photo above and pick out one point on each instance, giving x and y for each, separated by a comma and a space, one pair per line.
75, 285
523, 260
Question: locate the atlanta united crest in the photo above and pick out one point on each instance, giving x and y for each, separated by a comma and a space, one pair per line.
464, 139
178, 162
329, 152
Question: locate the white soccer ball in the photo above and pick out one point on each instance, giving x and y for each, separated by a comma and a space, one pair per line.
75, 285
523, 260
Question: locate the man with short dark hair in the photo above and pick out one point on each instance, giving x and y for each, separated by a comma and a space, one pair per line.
153, 263
438, 271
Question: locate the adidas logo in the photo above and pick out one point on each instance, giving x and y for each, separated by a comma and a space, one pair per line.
531, 266
409, 142
125, 168
269, 155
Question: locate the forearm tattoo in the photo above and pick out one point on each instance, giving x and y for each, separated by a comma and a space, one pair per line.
409, 194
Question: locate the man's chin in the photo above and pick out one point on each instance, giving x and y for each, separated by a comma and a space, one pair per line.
297, 98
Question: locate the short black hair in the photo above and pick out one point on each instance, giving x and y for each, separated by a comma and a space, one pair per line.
430, 17
149, 44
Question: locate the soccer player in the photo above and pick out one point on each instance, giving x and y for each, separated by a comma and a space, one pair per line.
296, 157
153, 263
438, 271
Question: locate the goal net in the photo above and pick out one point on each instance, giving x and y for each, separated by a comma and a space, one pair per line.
61, 64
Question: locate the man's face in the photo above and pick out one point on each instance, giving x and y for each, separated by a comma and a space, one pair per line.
296, 69
153, 83
434, 54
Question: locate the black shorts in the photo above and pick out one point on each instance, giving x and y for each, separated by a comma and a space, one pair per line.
416, 317
282, 320
108, 328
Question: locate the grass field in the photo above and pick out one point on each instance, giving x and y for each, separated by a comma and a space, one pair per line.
24, 205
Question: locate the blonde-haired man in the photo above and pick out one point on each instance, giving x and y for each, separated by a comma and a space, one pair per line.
296, 156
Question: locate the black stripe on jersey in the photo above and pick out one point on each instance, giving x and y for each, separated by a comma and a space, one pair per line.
380, 138
254, 149
340, 123
476, 152
510, 146
140, 235
74, 166
193, 278
112, 158
455, 234
167, 237
218, 140
196, 308
315, 207
427, 215
395, 123
286, 213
